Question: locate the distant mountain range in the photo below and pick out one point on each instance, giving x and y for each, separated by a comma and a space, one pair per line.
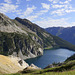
67, 34
24, 39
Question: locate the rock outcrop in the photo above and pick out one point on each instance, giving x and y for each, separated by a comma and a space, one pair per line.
30, 68
6, 25
34, 66
11, 64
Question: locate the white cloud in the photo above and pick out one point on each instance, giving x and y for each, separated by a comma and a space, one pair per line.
65, 2
59, 6
18, 2
64, 8
69, 0
50, 0
58, 12
61, 12
36, 15
46, 6
28, 0
69, 11
28, 11
54, 1
62, 22
41, 12
8, 8
8, 1
31, 18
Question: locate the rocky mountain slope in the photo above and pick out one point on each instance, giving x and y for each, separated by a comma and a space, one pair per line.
11, 64
49, 41
18, 42
46, 38
67, 34
22, 38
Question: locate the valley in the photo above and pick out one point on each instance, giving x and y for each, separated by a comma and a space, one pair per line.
37, 37
67, 33
22, 39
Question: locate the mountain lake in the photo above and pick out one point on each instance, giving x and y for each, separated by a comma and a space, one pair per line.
50, 56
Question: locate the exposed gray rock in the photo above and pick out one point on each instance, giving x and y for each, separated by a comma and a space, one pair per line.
50, 66
33, 66
6, 25
11, 64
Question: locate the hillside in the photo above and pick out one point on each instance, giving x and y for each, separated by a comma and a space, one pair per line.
18, 42
49, 41
70, 58
65, 69
67, 34
49, 73
46, 38
22, 38
11, 64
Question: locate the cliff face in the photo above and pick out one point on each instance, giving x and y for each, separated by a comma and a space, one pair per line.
47, 38
20, 45
18, 42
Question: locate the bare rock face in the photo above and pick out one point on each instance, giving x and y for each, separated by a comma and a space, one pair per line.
6, 25
34, 67
49, 66
30, 68
22, 64
11, 64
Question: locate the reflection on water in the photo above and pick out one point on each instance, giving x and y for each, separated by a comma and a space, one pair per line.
51, 56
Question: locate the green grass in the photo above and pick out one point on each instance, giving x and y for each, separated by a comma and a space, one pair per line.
63, 44
13, 42
71, 58
48, 73
65, 69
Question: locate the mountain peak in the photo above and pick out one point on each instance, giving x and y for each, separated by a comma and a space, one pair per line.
3, 16
7, 25
25, 20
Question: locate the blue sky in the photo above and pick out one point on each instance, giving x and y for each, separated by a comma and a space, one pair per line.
45, 13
